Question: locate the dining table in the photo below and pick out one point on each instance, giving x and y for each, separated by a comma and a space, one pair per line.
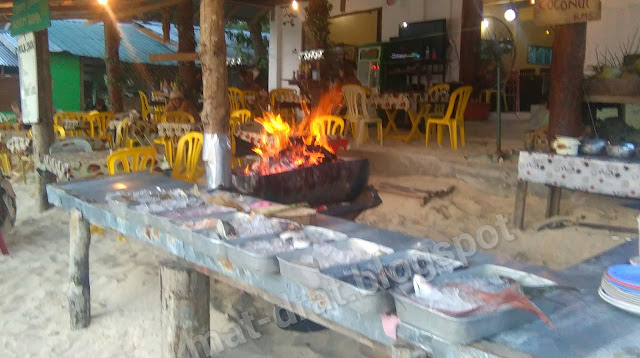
177, 130
141, 130
75, 165
417, 106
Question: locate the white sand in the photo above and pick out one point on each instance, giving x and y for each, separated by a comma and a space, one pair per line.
467, 209
125, 297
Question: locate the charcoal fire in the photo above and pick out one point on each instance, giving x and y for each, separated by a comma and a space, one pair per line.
285, 147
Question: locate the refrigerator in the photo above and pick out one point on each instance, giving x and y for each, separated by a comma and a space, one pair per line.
369, 61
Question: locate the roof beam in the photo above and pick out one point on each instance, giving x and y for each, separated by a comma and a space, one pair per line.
139, 10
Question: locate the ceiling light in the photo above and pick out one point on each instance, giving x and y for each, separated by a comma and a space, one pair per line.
547, 32
533, 2
510, 15
404, 24
102, 2
484, 24
294, 5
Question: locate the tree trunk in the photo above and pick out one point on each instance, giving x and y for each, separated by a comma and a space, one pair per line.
257, 42
184, 311
213, 58
187, 43
470, 40
566, 93
43, 135
112, 52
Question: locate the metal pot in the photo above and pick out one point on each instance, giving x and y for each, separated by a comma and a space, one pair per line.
593, 146
623, 150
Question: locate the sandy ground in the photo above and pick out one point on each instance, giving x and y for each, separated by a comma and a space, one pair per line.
125, 295
467, 209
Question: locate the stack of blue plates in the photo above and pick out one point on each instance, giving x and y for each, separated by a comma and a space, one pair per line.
620, 287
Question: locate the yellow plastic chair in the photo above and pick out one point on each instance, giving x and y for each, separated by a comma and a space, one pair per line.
357, 113
187, 158
288, 114
167, 144
236, 99
132, 160
453, 118
60, 118
5, 163
237, 117
144, 105
6, 126
329, 125
177, 117
100, 126
122, 135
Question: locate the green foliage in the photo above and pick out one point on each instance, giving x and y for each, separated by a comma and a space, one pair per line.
317, 18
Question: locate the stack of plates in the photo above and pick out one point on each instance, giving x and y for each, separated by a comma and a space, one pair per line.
620, 287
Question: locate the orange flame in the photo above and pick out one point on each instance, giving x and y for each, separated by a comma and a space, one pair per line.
278, 153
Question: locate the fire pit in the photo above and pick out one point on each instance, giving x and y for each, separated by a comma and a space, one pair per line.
329, 182
297, 163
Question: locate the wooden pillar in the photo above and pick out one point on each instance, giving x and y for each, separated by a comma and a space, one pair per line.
112, 59
43, 135
567, 72
185, 311
520, 205
470, 40
213, 58
187, 44
79, 289
257, 42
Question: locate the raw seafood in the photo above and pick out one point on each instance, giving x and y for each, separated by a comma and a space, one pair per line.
464, 298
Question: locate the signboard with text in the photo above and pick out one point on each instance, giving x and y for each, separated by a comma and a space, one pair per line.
29, 15
28, 78
557, 12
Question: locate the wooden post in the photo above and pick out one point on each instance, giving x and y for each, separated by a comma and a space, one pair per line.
185, 311
112, 59
213, 58
257, 42
553, 201
79, 289
43, 135
519, 207
187, 44
567, 72
470, 40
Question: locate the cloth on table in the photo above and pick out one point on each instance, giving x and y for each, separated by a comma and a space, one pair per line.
66, 166
176, 130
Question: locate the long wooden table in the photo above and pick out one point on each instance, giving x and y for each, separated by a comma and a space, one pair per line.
586, 325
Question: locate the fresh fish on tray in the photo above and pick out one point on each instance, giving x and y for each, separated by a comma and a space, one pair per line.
253, 225
196, 212
467, 297
326, 255
288, 241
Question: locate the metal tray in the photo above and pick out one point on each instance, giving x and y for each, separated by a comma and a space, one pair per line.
223, 230
311, 277
355, 282
268, 264
463, 330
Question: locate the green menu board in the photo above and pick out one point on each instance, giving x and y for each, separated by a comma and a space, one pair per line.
29, 16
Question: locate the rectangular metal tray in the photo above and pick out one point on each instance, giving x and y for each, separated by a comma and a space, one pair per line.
463, 330
312, 277
268, 264
355, 282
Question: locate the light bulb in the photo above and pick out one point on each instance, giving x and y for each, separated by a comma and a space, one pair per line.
510, 15
404, 24
294, 5
102, 2
484, 24
547, 32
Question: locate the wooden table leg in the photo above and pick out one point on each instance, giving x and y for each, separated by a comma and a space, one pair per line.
520, 204
184, 311
79, 289
553, 201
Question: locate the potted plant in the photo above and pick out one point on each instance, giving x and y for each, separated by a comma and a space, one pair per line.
616, 74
